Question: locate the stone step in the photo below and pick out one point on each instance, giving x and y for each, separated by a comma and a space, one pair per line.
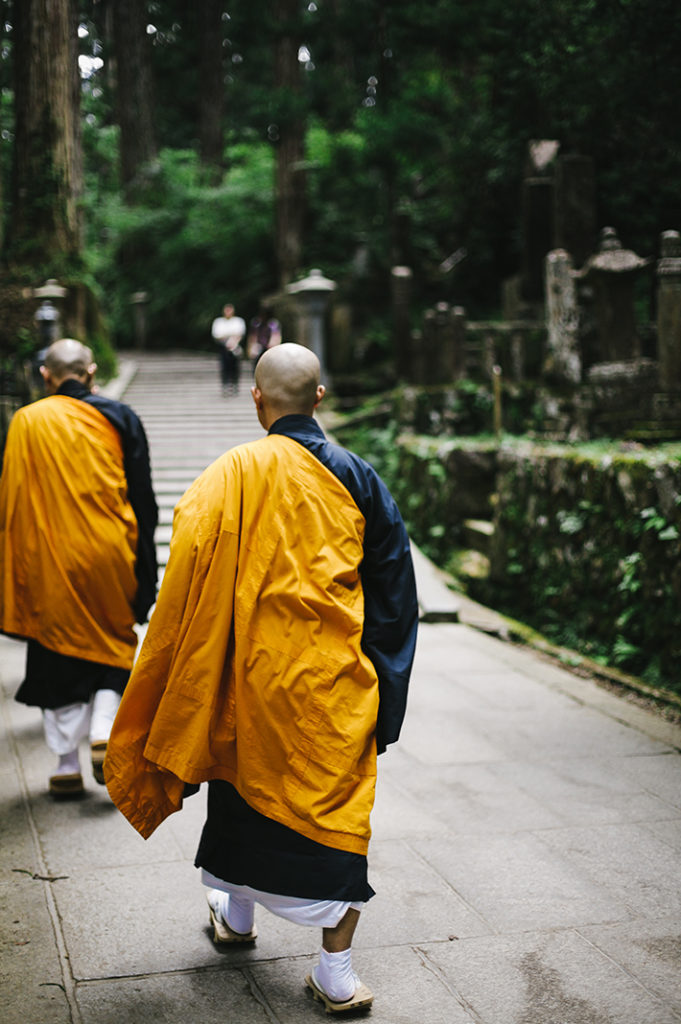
189, 424
178, 475
163, 534
170, 491
477, 534
437, 603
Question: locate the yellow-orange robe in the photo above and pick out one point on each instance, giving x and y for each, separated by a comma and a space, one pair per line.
68, 534
253, 668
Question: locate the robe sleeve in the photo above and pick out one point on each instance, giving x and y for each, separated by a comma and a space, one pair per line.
137, 468
390, 609
143, 501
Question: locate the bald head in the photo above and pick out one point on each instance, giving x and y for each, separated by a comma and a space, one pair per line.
67, 358
286, 382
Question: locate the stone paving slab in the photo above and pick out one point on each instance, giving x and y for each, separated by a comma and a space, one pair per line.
521, 882
30, 966
406, 989
552, 978
649, 951
211, 997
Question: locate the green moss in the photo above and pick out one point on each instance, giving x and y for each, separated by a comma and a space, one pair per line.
584, 552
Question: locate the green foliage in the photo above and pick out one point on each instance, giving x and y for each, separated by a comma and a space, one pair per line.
595, 573
589, 540
190, 247
654, 520
570, 522
418, 118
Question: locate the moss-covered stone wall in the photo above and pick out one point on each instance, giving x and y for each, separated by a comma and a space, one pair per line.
586, 544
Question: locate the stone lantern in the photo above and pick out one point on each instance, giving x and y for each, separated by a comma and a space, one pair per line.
47, 314
312, 296
611, 272
139, 302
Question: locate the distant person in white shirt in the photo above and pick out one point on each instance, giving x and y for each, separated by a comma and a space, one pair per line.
228, 330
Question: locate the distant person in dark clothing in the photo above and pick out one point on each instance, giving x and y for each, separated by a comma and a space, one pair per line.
264, 332
228, 330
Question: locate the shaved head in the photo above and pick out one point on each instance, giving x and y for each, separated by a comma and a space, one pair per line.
286, 383
68, 358
288, 376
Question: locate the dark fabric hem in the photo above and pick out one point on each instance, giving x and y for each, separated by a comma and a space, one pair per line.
55, 680
243, 847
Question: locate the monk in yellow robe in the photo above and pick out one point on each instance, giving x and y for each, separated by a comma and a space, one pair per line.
77, 555
276, 667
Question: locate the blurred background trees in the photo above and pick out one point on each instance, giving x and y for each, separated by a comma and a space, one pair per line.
227, 148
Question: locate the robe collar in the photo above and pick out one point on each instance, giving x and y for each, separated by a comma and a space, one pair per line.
299, 427
73, 388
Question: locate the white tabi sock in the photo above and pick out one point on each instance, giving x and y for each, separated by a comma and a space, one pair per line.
238, 912
69, 764
334, 974
104, 707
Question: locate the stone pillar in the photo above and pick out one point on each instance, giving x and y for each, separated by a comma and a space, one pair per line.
443, 372
669, 311
458, 342
427, 360
448, 347
536, 209
340, 352
563, 360
138, 301
401, 281
517, 354
537, 202
574, 207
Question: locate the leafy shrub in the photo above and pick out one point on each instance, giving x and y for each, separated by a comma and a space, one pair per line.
190, 247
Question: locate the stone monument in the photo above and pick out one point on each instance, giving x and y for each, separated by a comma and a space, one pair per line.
669, 311
612, 271
563, 363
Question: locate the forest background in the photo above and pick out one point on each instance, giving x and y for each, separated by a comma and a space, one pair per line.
221, 150
201, 153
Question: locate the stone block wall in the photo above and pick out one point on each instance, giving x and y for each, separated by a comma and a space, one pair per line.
592, 543
586, 543
438, 484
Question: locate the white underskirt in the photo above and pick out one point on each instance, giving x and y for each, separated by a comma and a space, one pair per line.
67, 726
314, 913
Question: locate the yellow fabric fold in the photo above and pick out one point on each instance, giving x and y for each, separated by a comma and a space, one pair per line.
68, 535
252, 669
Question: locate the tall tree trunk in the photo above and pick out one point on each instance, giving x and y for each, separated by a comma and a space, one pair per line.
44, 225
138, 147
211, 86
290, 174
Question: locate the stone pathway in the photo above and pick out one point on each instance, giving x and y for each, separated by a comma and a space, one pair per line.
526, 850
188, 421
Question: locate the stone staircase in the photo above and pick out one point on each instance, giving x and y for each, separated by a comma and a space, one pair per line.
189, 423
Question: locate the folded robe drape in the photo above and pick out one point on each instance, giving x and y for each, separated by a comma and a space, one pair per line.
254, 668
68, 533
